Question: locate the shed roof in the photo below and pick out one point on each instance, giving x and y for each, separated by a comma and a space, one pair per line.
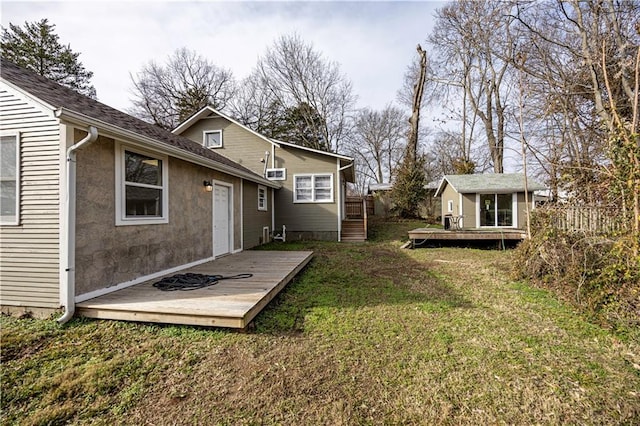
62, 99
388, 186
490, 182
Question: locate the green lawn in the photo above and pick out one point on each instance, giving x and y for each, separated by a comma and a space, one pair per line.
367, 334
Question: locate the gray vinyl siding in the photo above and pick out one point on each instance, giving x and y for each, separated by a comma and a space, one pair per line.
29, 261
254, 220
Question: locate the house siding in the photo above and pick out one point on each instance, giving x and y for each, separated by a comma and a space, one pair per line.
469, 211
522, 209
238, 144
450, 194
306, 220
124, 253
303, 220
254, 220
29, 265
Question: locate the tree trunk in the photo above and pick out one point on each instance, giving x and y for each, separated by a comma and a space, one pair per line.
418, 89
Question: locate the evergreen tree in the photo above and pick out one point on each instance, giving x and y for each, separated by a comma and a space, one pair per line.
36, 47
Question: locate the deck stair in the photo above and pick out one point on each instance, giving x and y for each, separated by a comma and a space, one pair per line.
353, 230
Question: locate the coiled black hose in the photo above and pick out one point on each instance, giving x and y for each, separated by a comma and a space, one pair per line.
190, 281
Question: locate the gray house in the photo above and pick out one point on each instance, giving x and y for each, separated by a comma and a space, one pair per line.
94, 200
311, 200
486, 200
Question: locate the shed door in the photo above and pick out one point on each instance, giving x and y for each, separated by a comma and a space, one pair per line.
221, 220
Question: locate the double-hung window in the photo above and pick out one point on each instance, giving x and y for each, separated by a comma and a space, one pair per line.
212, 138
10, 179
313, 188
143, 188
262, 198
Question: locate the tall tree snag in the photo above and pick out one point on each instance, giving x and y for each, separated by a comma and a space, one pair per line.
418, 91
408, 189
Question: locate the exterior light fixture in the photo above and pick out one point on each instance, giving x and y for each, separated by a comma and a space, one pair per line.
208, 186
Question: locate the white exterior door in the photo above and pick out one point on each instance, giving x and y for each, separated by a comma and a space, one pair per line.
221, 220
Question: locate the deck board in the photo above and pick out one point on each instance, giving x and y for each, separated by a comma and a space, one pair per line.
466, 234
229, 303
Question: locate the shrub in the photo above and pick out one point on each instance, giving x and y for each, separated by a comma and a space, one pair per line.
597, 273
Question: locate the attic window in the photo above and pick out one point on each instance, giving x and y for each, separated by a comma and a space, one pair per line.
277, 174
212, 138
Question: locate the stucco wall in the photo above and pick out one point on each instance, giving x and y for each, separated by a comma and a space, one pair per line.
107, 255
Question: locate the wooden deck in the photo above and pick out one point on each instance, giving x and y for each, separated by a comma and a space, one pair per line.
423, 234
229, 303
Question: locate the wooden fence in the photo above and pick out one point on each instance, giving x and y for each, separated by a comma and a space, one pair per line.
588, 219
356, 207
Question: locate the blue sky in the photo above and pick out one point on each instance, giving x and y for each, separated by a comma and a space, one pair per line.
373, 42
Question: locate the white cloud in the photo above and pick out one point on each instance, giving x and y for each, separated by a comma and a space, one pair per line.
374, 42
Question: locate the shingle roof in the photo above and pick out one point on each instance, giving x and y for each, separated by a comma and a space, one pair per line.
491, 182
59, 96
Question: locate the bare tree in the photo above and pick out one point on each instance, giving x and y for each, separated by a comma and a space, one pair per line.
295, 87
562, 45
471, 41
167, 94
409, 185
377, 141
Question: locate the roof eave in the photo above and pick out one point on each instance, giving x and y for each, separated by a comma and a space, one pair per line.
74, 117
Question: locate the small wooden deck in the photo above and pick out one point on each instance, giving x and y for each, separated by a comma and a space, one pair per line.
420, 235
229, 303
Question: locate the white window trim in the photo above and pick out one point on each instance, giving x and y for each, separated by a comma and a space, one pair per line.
514, 212
264, 207
313, 188
14, 220
204, 138
284, 174
450, 206
121, 218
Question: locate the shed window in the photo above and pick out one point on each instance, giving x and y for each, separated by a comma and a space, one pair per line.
496, 210
450, 206
262, 198
313, 188
143, 188
10, 179
212, 139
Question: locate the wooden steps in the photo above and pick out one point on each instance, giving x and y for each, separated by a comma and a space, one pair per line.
353, 230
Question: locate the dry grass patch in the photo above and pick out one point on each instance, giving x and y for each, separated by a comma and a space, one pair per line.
367, 334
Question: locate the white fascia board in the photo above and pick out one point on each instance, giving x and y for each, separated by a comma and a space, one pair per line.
133, 138
441, 186
206, 111
317, 151
277, 143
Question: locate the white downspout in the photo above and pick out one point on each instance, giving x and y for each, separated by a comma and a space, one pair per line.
70, 225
